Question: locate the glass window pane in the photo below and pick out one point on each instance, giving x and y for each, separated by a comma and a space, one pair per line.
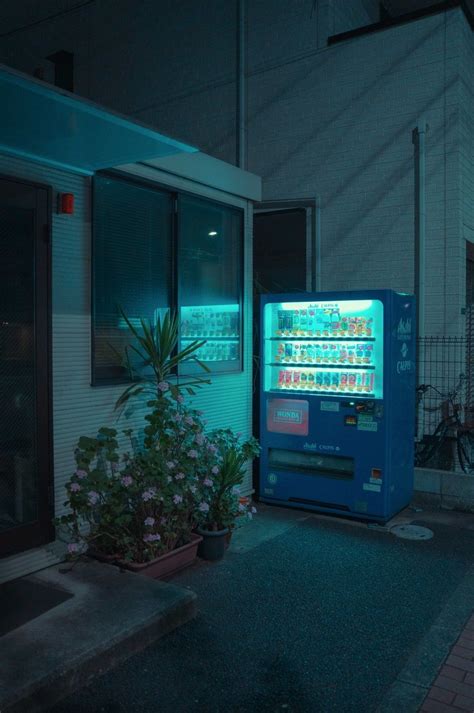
131, 266
210, 281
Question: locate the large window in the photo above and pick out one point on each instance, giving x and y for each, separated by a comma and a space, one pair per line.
209, 281
132, 266
135, 267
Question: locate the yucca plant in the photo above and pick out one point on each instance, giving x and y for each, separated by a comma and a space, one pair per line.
158, 359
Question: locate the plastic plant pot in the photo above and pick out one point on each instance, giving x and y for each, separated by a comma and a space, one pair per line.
213, 545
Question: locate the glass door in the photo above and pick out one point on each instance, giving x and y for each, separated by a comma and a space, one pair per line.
25, 472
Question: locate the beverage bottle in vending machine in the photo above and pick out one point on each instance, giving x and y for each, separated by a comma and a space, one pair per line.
281, 378
351, 381
342, 354
303, 321
295, 329
281, 323
358, 383
369, 382
311, 322
288, 378
318, 353
333, 353
304, 379
296, 379
343, 382
325, 355
326, 380
303, 352
335, 381
310, 380
318, 381
368, 353
310, 352
288, 351
296, 352
359, 355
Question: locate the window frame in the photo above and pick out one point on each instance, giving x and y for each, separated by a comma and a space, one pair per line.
174, 305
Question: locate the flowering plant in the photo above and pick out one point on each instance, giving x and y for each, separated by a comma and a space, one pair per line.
222, 504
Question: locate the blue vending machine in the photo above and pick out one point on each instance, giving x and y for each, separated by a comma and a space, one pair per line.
338, 402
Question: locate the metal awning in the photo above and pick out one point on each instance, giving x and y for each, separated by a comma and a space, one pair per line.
41, 122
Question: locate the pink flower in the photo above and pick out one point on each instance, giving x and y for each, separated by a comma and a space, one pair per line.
163, 386
151, 538
75, 487
178, 418
203, 507
179, 476
180, 399
149, 521
212, 448
215, 470
189, 420
177, 499
199, 439
127, 480
93, 497
193, 453
208, 482
73, 547
148, 494
81, 474
170, 464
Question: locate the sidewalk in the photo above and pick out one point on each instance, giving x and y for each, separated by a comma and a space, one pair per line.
453, 689
306, 614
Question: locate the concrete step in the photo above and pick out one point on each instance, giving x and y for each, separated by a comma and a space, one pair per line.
111, 615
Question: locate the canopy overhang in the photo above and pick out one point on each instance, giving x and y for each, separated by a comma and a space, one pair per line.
43, 123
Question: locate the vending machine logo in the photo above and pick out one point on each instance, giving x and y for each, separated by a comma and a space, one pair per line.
287, 416
404, 329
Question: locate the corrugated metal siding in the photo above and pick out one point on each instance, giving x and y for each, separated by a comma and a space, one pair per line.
77, 407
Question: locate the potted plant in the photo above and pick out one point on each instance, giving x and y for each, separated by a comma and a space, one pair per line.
222, 505
138, 509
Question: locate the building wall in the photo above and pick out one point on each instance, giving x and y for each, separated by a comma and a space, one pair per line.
78, 408
330, 121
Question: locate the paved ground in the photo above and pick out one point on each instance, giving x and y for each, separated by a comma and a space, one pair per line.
453, 689
306, 614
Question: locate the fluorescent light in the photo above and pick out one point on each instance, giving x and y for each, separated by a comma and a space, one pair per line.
212, 233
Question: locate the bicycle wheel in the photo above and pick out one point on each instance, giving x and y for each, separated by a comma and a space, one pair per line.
426, 450
465, 442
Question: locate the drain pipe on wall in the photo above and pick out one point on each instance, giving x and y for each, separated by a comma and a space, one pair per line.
241, 148
419, 137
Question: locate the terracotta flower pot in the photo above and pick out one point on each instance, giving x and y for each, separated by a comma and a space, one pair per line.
167, 564
213, 543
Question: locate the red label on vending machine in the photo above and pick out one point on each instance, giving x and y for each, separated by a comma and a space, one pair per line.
287, 416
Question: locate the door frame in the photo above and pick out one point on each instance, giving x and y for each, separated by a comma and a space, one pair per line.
312, 206
42, 531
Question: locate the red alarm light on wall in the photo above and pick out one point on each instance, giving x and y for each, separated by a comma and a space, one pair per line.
66, 203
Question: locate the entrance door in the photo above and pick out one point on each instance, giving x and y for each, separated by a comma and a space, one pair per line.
25, 453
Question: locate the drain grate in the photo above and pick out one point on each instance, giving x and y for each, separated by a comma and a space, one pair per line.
412, 532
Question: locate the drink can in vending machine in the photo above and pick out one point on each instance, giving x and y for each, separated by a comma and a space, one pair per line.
288, 321
288, 378
310, 352
296, 379
359, 382
343, 381
351, 381
304, 379
288, 351
369, 381
296, 322
281, 378
326, 380
335, 380
303, 321
310, 380
318, 381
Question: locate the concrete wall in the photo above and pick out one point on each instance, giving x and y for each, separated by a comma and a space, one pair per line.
331, 121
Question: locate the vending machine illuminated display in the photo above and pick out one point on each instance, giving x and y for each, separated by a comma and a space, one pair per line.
337, 408
219, 326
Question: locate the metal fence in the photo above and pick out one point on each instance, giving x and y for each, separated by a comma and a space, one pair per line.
445, 363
